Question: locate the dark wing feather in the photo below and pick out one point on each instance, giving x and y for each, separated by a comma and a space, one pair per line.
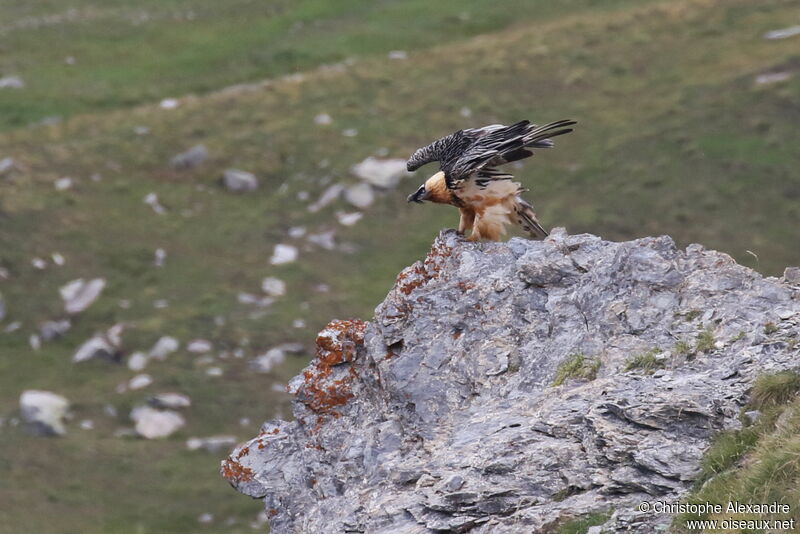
500, 146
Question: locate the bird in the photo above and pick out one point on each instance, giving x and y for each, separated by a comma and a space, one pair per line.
487, 198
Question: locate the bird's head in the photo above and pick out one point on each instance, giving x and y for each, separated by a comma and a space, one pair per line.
434, 189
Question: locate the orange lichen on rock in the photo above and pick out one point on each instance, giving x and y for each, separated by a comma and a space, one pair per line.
420, 274
336, 344
235, 472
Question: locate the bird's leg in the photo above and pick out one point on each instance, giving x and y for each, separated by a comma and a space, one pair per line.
467, 220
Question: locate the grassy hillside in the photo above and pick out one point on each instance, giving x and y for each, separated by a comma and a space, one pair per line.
675, 136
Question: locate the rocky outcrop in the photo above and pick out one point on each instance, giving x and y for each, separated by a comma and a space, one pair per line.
441, 415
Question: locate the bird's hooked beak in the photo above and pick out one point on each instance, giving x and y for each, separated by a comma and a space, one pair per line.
419, 195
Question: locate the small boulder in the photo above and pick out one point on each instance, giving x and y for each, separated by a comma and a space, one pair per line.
137, 361
106, 346
323, 239
44, 412
79, 294
154, 424
348, 219
212, 444
165, 346
274, 287
239, 181
267, 361
383, 173
192, 158
140, 382
50, 330
360, 195
11, 82
170, 401
329, 195
199, 346
283, 254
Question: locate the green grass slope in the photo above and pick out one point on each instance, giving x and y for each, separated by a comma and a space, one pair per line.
674, 137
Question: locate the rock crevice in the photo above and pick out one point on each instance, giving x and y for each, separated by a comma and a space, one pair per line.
440, 415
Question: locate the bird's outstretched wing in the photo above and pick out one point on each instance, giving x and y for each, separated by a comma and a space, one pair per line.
497, 146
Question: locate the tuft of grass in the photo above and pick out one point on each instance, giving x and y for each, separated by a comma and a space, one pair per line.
691, 316
774, 389
759, 463
770, 328
739, 337
683, 348
576, 366
581, 525
647, 362
705, 341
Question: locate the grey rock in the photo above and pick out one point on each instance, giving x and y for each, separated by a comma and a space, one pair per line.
791, 275
283, 253
329, 195
170, 401
440, 414
6, 166
50, 330
783, 33
11, 82
239, 181
79, 294
212, 444
165, 346
274, 287
383, 173
155, 424
192, 158
106, 345
44, 412
267, 361
360, 195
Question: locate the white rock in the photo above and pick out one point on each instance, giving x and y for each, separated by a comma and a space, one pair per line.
278, 388
58, 259
250, 299
96, 347
194, 157
283, 254
267, 361
244, 421
11, 82
137, 361
35, 341
323, 239
141, 130
169, 103
398, 54
160, 304
297, 232
360, 195
140, 382
329, 195
466, 112
44, 412
783, 33
323, 119
160, 257
274, 287
62, 184
151, 199
12, 327
205, 518
39, 263
80, 294
110, 410
239, 181
170, 401
348, 219
165, 346
384, 173
214, 371
87, 424
212, 444
6, 166
299, 323
350, 132
772, 77
199, 346
153, 424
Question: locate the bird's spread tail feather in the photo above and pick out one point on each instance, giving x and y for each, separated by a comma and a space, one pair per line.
526, 218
